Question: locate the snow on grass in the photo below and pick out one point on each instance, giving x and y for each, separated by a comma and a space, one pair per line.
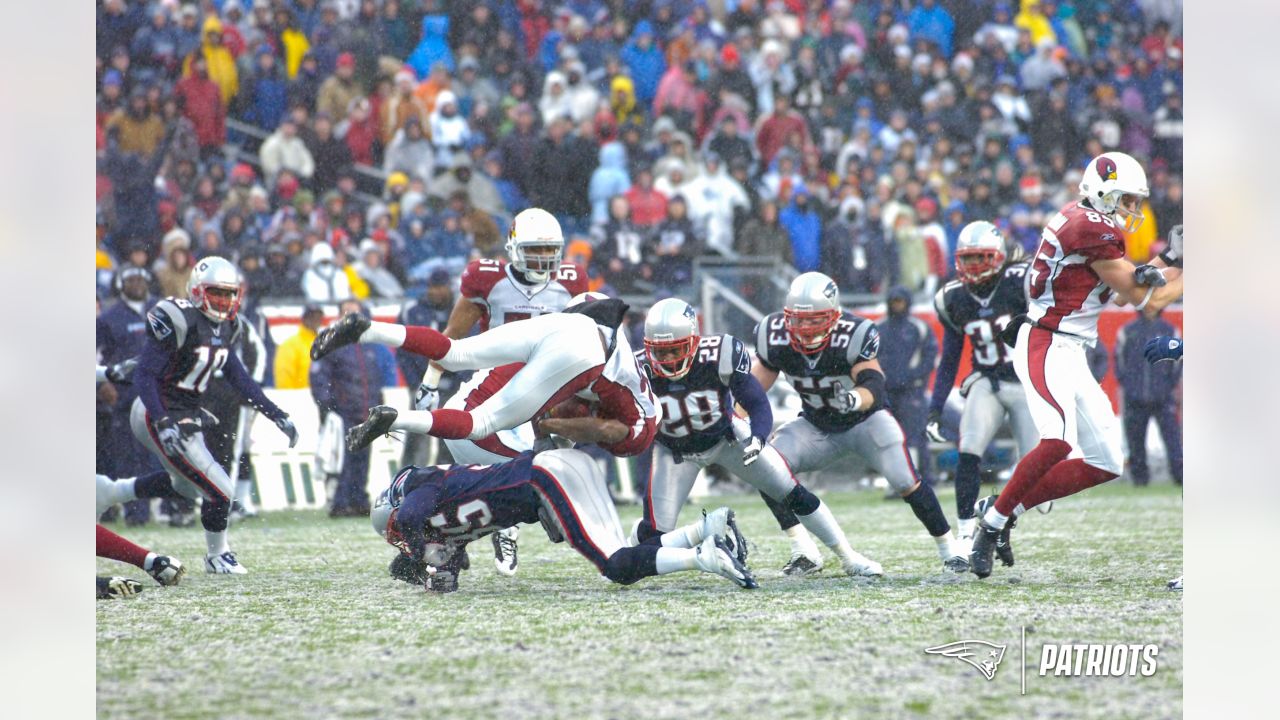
319, 629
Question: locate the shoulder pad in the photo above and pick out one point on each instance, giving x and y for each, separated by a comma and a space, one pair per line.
733, 358
167, 321
480, 276
573, 277
940, 303
865, 343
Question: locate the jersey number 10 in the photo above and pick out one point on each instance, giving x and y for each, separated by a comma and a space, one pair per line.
208, 361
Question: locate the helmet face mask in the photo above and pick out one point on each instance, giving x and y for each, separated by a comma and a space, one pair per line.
811, 312
980, 253
535, 244
671, 337
1115, 184
214, 288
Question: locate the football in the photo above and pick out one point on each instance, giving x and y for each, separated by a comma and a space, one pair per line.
571, 408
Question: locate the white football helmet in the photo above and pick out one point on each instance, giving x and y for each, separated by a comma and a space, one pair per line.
671, 337
980, 252
1115, 184
214, 288
812, 310
585, 297
535, 228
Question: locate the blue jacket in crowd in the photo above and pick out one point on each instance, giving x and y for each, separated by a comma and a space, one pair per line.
908, 348
1142, 382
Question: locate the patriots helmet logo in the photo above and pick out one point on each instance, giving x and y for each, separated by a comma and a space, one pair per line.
688, 312
830, 290
980, 654
1106, 168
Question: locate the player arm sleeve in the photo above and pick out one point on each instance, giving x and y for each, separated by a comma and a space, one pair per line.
416, 508
948, 366
762, 344
251, 391
750, 394
259, 370
146, 377
321, 385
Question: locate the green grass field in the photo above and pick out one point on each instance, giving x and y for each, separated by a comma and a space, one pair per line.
318, 628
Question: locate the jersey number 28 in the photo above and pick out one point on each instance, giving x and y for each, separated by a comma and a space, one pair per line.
699, 411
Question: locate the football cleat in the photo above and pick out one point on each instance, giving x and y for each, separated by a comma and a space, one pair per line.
1004, 548
859, 566
346, 331
110, 588
984, 546
166, 570
722, 523
106, 494
405, 568
714, 556
1175, 584
505, 551
800, 565
956, 564
224, 564
378, 424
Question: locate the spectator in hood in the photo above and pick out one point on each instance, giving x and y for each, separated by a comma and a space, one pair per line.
608, 180
433, 47
583, 98
645, 62
360, 132
728, 143
774, 130
304, 88
155, 46
680, 96
202, 105
622, 99
449, 129
410, 152
339, 90
284, 278
293, 357
804, 229
284, 150
324, 281
930, 21
173, 267
714, 199
555, 102
675, 244
620, 249
140, 130
371, 267
263, 98
218, 59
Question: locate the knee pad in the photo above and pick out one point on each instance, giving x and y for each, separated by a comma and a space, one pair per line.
801, 501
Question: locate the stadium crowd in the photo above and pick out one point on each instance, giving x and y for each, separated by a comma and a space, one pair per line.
349, 148
357, 149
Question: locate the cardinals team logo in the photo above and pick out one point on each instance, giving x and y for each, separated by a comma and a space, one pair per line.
1106, 168
980, 654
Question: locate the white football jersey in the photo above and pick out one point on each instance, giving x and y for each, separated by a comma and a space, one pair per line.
492, 285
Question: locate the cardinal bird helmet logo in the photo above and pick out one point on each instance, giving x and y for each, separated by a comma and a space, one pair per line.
980, 654
1106, 168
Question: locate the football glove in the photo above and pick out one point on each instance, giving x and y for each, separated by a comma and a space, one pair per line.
1149, 276
933, 428
168, 435
426, 398
751, 450
845, 400
1174, 251
122, 371
1163, 349
286, 426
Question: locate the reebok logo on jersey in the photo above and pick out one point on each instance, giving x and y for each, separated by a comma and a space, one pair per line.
1098, 660
159, 325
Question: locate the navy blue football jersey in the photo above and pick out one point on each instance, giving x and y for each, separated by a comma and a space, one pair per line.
981, 319
470, 501
697, 409
819, 377
197, 347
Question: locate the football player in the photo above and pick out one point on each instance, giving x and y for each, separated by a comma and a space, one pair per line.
534, 282
697, 381
164, 569
581, 352
189, 339
432, 513
1078, 267
986, 296
829, 356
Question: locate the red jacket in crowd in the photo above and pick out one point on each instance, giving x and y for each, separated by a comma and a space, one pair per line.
648, 207
773, 133
204, 109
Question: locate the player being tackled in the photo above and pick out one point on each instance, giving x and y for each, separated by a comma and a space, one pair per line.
431, 514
